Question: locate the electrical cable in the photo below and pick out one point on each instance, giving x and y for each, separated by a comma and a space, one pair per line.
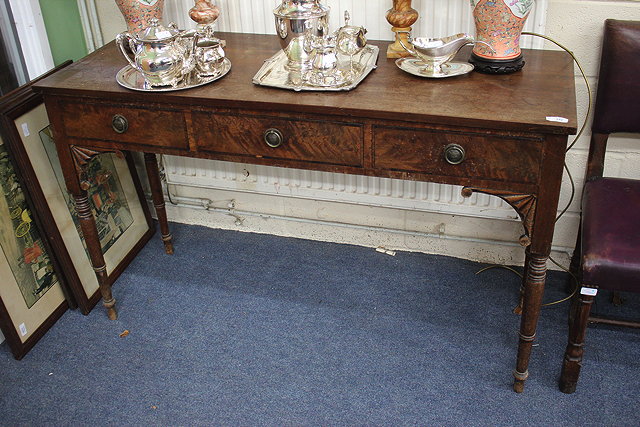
584, 76
505, 267
573, 185
163, 176
573, 193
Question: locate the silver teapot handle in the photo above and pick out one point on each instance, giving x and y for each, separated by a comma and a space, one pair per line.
120, 40
206, 33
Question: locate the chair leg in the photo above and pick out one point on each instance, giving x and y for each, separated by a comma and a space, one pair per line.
578, 320
616, 299
574, 267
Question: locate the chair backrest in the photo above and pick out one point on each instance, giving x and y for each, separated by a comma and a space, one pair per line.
617, 107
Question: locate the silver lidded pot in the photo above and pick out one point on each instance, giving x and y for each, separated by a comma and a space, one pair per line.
296, 20
157, 54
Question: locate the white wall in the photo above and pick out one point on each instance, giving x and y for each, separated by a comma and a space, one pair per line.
443, 226
579, 25
33, 36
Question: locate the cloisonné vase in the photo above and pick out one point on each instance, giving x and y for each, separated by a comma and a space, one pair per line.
499, 23
138, 13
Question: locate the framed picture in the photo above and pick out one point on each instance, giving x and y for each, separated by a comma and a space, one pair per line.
32, 294
122, 214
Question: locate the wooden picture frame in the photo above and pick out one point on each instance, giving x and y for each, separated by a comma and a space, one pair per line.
116, 196
33, 293
32, 289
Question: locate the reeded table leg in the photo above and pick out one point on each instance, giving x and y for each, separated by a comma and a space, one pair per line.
92, 239
158, 200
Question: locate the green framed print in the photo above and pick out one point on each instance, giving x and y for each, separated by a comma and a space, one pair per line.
118, 202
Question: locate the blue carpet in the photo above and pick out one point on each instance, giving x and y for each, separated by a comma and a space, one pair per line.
247, 329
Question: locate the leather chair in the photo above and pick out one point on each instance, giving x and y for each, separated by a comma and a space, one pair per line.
608, 247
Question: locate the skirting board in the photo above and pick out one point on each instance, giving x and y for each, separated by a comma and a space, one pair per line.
492, 242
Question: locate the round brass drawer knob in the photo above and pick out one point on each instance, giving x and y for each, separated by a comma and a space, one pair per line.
119, 123
273, 138
454, 154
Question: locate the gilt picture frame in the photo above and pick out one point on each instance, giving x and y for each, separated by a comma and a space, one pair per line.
116, 195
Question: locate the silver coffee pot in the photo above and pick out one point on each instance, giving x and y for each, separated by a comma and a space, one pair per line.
296, 20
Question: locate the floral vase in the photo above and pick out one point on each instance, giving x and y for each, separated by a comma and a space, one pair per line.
138, 13
499, 23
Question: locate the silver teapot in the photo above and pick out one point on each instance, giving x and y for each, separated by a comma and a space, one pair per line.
159, 54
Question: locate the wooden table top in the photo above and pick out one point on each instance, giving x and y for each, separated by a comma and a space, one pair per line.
518, 102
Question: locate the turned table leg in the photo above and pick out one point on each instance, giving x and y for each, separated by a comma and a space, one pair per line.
153, 175
92, 239
536, 272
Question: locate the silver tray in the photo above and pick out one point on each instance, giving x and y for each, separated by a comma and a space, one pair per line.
131, 78
274, 74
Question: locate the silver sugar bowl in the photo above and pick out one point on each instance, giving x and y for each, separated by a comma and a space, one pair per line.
296, 20
208, 53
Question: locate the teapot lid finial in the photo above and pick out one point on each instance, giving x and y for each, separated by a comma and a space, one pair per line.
157, 32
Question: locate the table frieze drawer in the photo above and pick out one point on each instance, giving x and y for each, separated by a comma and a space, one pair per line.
280, 138
458, 154
138, 126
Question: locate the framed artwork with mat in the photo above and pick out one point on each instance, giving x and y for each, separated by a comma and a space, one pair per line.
33, 294
117, 199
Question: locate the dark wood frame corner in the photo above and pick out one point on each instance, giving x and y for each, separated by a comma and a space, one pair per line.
18, 348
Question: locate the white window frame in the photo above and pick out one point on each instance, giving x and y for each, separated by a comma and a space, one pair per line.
32, 35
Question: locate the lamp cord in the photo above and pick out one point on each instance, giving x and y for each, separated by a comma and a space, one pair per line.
573, 185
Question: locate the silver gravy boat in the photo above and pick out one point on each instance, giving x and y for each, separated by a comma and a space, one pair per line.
159, 54
435, 52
